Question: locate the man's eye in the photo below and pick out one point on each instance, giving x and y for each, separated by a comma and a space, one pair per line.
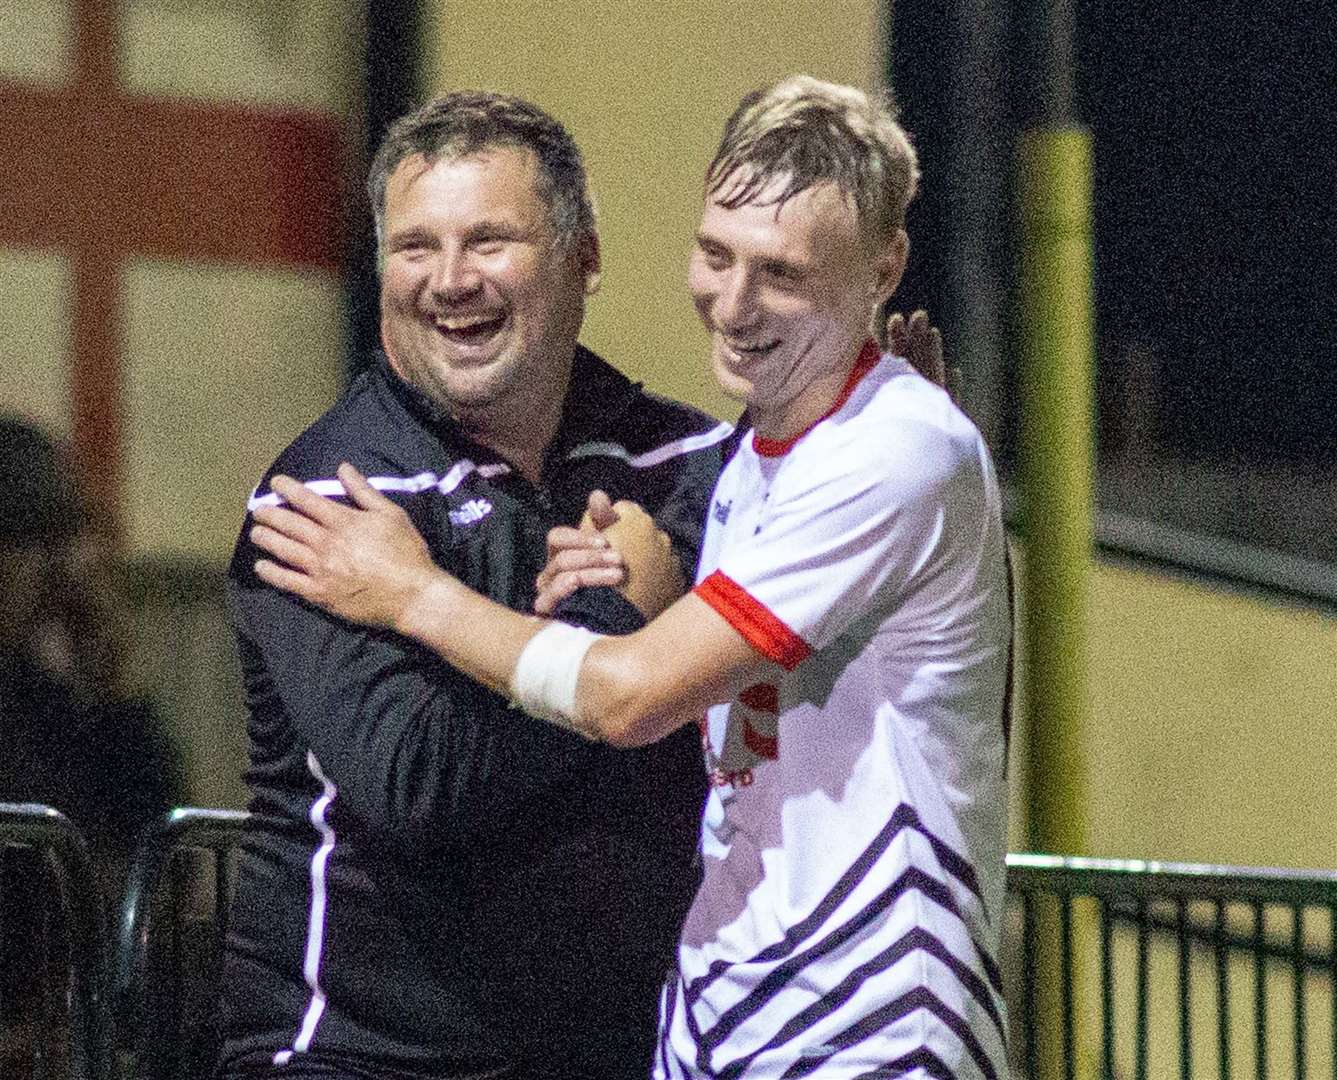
714, 258
410, 247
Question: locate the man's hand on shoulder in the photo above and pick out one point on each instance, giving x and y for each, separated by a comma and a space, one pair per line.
364, 561
920, 342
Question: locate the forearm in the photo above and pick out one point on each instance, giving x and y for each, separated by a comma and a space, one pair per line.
639, 688
478, 636
631, 690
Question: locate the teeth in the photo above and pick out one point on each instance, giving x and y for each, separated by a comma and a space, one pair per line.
749, 347
465, 323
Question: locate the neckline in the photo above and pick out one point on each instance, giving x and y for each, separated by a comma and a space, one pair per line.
868, 356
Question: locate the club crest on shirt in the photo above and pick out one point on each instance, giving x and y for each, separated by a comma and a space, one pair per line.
720, 511
751, 735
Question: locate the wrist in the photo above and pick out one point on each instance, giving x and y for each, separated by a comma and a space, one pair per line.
431, 595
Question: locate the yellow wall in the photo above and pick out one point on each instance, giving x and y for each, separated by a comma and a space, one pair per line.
1211, 713
1211, 725
1214, 734
645, 87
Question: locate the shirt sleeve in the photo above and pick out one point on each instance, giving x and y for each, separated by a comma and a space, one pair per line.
840, 539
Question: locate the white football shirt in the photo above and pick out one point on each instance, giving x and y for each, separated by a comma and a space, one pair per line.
854, 835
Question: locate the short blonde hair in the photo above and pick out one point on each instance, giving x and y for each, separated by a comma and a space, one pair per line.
814, 132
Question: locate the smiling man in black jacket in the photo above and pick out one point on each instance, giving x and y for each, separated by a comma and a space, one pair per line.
415, 896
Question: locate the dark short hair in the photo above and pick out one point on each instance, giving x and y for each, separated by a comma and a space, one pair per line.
458, 124
39, 503
813, 132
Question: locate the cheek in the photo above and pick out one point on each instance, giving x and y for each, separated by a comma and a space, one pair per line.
703, 294
397, 290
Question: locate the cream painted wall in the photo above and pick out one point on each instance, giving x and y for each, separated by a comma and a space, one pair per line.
290, 52
645, 87
1212, 725
35, 299
34, 335
223, 367
1214, 734
35, 39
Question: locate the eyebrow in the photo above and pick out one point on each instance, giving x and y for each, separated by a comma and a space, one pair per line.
411, 232
504, 226
705, 239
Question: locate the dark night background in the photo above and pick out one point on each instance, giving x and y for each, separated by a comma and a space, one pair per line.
1215, 143
1215, 129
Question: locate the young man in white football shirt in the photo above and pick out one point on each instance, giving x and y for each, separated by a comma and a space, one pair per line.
848, 635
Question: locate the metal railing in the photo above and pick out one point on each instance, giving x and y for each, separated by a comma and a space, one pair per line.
1239, 946
171, 927
1116, 968
70, 1032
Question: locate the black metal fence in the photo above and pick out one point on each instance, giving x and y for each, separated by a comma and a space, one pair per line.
54, 1016
1145, 969
170, 931
1117, 969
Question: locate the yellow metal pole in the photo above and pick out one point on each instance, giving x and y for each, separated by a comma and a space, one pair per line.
1056, 475
1057, 388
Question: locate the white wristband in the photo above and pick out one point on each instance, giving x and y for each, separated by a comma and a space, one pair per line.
545, 676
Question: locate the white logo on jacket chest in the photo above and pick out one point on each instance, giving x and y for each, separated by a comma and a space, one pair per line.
471, 512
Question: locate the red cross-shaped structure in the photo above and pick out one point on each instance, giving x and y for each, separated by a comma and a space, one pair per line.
100, 174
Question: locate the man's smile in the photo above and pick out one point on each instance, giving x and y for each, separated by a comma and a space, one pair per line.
469, 329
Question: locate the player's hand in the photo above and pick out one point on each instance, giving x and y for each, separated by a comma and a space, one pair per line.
365, 562
580, 557
654, 578
920, 342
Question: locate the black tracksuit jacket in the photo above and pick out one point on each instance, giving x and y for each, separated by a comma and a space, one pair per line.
434, 884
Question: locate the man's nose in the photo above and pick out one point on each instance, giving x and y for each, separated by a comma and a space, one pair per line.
736, 302
454, 275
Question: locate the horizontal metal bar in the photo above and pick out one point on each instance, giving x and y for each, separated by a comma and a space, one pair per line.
1113, 878
1200, 555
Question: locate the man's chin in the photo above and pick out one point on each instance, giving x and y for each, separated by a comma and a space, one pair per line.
734, 386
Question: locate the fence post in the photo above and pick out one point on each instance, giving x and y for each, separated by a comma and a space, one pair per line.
32, 825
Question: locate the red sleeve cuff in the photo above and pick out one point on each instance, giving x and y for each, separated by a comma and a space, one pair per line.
751, 618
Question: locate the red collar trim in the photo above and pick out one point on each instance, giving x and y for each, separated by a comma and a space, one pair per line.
863, 364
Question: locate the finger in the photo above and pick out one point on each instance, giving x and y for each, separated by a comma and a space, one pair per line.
292, 552
563, 538
301, 497
281, 577
896, 334
578, 559
360, 491
627, 508
289, 523
924, 348
599, 510
585, 559
563, 585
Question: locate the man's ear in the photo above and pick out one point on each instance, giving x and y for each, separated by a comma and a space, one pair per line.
587, 252
890, 266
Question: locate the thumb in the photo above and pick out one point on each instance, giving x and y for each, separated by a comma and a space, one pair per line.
599, 513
